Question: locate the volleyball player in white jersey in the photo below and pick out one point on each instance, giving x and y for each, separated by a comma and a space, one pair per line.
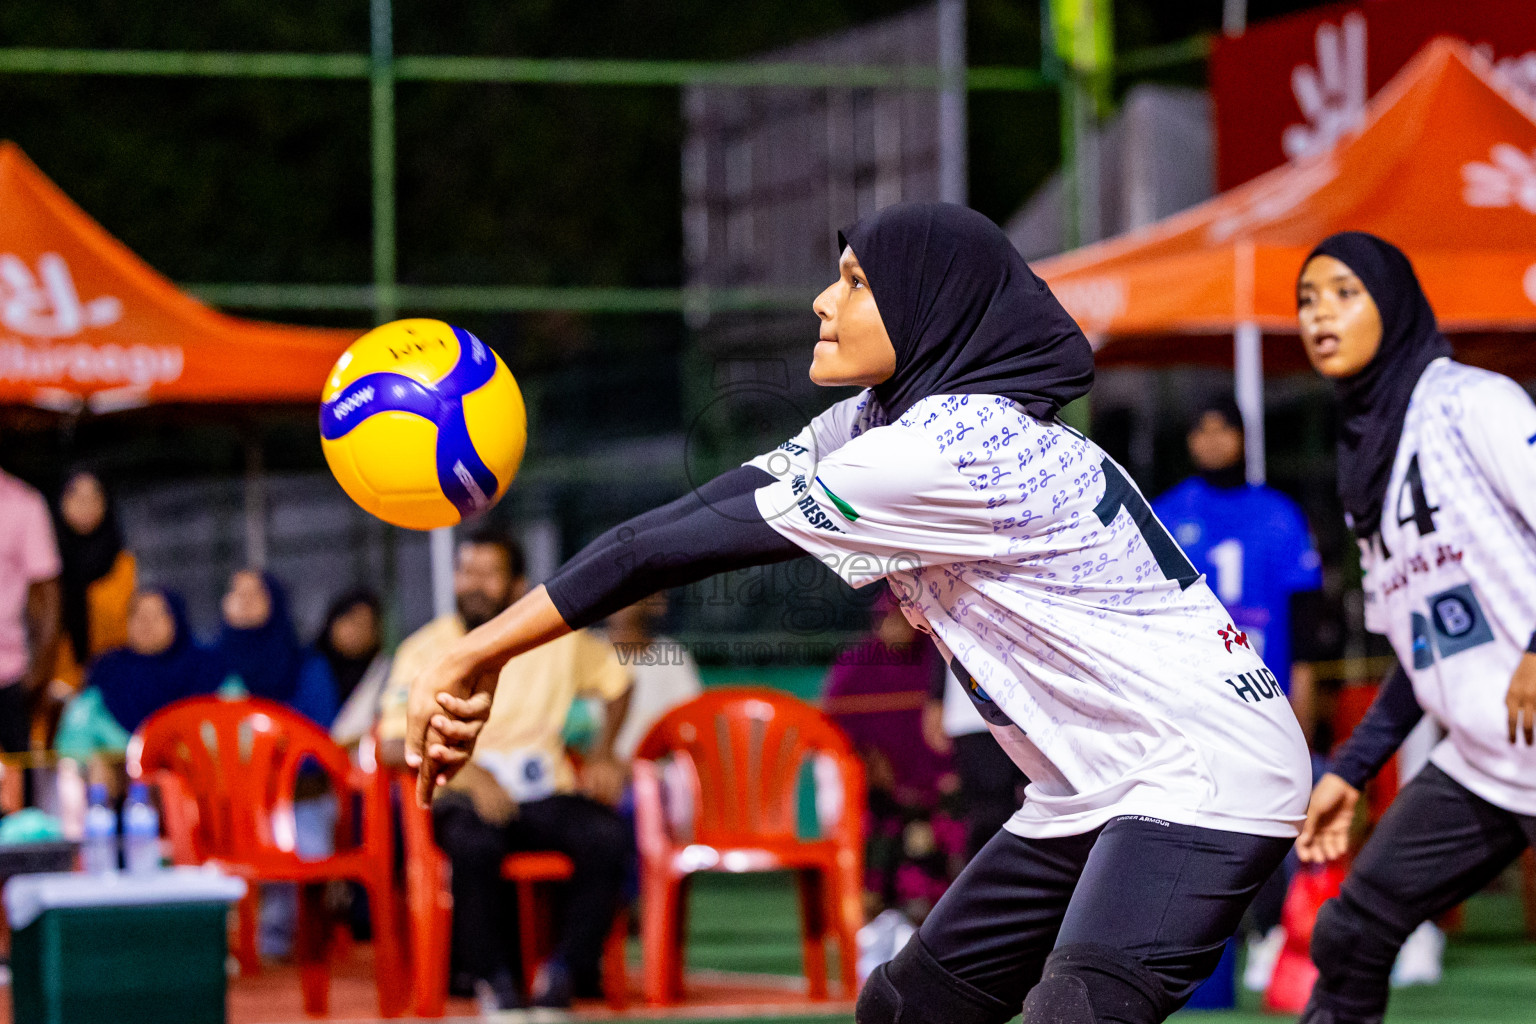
1437, 472
1168, 774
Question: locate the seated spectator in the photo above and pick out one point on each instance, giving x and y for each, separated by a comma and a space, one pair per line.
663, 671
98, 577
161, 663
348, 659
260, 647
520, 791
876, 692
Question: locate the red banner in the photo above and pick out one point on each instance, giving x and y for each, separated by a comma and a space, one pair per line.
1289, 87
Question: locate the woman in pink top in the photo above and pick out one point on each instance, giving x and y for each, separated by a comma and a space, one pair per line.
29, 606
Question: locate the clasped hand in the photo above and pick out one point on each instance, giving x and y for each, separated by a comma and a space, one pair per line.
447, 709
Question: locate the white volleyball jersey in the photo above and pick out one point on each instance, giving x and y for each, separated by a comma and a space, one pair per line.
1101, 660
1450, 578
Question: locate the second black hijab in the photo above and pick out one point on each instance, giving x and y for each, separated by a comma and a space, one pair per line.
1375, 401
86, 558
965, 313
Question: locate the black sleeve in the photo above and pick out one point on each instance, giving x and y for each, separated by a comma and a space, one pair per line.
714, 529
741, 480
1391, 717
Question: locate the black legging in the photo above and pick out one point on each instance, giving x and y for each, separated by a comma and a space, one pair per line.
990, 785
1437, 844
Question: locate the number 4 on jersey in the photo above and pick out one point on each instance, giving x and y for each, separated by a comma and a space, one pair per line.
1118, 494
1420, 512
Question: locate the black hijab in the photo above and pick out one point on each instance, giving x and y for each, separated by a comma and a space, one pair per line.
134, 686
347, 672
86, 558
267, 658
1375, 400
965, 313
1228, 477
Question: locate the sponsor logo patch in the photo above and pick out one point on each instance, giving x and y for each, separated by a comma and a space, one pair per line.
1232, 635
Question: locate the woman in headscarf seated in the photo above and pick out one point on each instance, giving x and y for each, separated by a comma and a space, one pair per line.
161, 663
260, 647
347, 661
258, 644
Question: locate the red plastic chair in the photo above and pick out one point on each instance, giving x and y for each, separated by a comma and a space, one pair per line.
430, 903
735, 759
1291, 985
227, 770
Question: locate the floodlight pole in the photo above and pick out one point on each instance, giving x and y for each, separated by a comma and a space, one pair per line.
386, 306
255, 500
1248, 382
1248, 358
953, 163
382, 79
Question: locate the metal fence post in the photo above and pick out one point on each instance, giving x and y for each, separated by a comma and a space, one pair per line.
382, 78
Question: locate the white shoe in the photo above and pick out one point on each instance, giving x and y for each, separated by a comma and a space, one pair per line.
1263, 954
1419, 961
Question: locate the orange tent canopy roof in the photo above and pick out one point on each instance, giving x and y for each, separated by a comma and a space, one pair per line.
1444, 166
84, 322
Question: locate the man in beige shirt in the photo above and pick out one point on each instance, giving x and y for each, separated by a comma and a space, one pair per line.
521, 791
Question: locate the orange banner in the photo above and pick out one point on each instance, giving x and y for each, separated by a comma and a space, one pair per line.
1444, 166
86, 324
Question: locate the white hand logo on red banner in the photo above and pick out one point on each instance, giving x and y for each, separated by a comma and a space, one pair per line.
1517, 72
1507, 179
46, 304
1331, 95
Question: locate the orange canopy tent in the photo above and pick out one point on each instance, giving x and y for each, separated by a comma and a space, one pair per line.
1444, 166
86, 324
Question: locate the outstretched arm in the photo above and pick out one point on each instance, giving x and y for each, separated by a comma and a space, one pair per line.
716, 529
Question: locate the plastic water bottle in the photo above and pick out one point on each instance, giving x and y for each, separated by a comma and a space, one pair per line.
98, 849
141, 832
72, 800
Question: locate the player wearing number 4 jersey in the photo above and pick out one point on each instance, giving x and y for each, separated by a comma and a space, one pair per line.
1437, 472
1167, 772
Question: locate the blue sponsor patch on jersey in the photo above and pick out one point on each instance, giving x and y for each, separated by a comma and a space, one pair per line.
988, 708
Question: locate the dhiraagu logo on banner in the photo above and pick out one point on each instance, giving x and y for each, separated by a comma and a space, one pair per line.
46, 304
40, 306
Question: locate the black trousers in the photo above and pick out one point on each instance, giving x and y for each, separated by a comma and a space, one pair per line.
1167, 895
1437, 844
484, 930
15, 719
990, 785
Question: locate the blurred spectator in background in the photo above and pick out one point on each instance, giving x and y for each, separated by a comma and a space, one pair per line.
259, 646
991, 785
876, 692
98, 577
520, 790
663, 672
349, 662
29, 607
1252, 543
160, 663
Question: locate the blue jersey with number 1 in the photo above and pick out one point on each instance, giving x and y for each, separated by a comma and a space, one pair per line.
1253, 545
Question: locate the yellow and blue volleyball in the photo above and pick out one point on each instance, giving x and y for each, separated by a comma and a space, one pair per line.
422, 424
